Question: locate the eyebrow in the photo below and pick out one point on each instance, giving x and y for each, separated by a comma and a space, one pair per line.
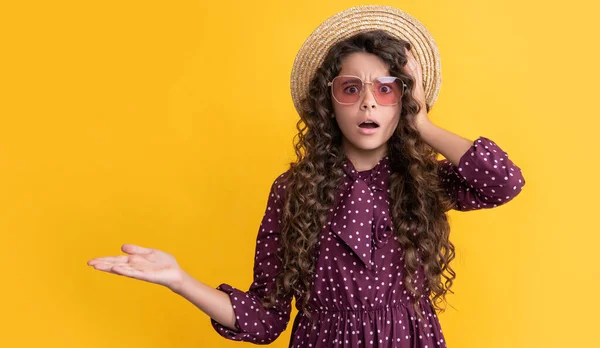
383, 79
351, 80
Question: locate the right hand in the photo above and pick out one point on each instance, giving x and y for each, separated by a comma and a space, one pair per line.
146, 264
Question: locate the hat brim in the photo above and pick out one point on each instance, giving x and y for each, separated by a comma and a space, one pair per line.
360, 19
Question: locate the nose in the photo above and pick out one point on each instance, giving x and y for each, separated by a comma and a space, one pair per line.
368, 101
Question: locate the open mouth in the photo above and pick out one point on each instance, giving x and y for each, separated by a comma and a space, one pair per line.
368, 124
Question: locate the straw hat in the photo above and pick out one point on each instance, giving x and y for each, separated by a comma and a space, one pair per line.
360, 19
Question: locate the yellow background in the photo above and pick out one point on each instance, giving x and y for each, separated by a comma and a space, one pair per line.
164, 123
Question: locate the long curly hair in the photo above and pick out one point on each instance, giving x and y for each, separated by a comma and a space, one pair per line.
418, 203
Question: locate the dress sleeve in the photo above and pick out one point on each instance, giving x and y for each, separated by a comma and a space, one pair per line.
484, 178
254, 323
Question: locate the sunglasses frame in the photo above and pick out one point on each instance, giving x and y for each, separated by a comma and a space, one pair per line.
362, 90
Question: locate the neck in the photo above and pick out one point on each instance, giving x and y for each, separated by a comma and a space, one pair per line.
364, 159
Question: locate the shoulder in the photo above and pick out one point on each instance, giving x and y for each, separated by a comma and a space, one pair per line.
280, 184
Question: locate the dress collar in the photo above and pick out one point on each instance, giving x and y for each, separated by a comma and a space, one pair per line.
360, 222
382, 168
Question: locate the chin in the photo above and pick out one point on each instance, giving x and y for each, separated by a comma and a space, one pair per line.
368, 145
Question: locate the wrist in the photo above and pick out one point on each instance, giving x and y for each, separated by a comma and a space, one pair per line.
177, 284
422, 121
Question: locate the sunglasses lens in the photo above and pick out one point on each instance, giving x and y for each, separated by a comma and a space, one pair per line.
388, 90
346, 89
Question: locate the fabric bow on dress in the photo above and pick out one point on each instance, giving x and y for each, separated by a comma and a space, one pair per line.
360, 217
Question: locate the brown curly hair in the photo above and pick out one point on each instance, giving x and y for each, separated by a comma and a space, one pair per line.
418, 202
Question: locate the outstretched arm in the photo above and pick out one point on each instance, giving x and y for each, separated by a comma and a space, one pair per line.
158, 267
235, 314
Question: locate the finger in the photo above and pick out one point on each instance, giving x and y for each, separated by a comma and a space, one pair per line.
122, 258
127, 271
111, 263
107, 266
411, 57
411, 62
135, 249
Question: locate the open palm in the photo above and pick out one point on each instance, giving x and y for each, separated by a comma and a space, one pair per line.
146, 264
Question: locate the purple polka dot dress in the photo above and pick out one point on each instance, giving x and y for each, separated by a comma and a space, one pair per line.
358, 296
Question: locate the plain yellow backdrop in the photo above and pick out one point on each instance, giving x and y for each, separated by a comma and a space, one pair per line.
164, 123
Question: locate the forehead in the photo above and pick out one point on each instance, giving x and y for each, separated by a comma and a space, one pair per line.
363, 65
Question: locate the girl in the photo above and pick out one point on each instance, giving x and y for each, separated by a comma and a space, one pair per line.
356, 229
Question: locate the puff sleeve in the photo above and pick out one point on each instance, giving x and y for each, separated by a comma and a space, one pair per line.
254, 323
484, 178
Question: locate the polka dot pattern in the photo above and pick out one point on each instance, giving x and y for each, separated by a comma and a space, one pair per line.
360, 218
484, 178
254, 323
358, 297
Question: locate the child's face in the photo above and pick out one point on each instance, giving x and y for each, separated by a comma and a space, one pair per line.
355, 138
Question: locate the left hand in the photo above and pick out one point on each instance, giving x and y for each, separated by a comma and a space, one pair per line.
413, 68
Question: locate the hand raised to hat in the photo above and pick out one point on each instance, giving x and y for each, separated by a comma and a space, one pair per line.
413, 68
450, 145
